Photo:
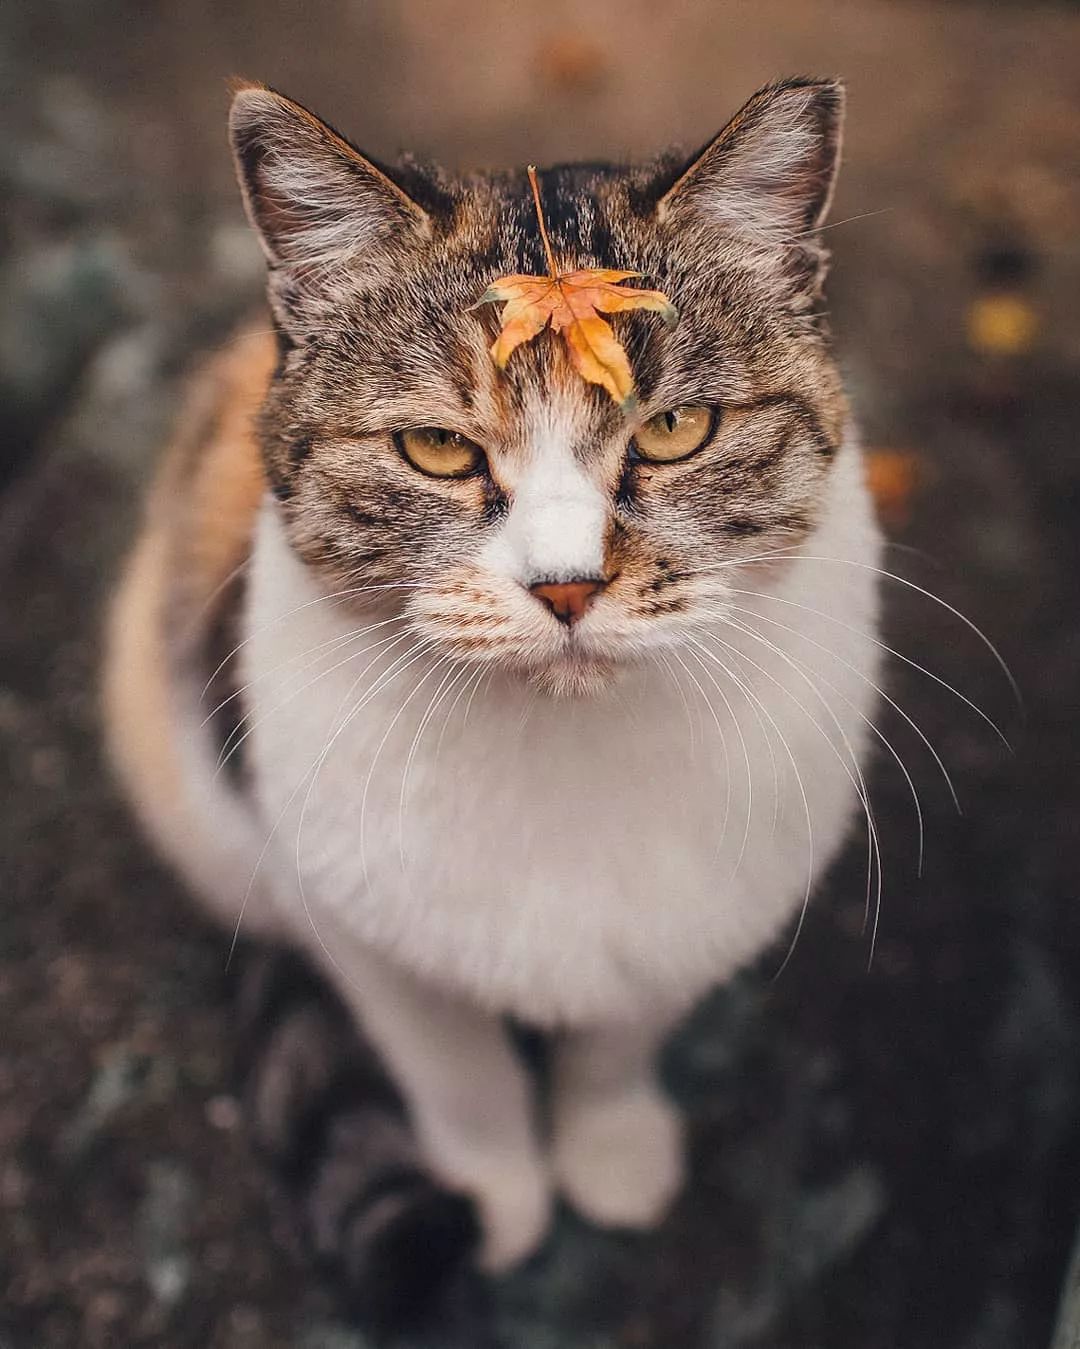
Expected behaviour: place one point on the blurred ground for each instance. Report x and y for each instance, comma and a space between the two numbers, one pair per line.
883, 1158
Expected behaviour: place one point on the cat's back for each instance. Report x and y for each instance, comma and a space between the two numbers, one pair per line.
175, 614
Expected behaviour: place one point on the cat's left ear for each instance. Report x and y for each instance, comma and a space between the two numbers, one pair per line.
769, 175
314, 200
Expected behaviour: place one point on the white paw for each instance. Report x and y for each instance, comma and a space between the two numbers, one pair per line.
619, 1159
515, 1203
513, 1195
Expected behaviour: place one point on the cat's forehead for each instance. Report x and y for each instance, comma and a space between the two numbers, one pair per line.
486, 225
586, 214
414, 346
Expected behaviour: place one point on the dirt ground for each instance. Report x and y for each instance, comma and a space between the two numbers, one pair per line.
884, 1157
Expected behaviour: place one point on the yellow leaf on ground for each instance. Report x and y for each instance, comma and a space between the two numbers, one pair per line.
893, 478
1002, 325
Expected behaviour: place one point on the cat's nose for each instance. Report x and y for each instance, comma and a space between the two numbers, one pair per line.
568, 600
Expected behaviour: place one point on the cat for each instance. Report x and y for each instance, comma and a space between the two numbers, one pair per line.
491, 700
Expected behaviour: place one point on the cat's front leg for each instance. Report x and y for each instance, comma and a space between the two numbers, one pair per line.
618, 1141
469, 1099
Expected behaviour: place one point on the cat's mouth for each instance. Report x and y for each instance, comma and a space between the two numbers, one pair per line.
576, 659
576, 662
575, 674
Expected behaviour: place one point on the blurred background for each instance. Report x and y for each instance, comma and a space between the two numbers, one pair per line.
883, 1157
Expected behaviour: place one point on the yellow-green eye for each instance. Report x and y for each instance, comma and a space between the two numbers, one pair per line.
440, 453
675, 434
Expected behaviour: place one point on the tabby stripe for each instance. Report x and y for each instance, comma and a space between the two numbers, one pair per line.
822, 444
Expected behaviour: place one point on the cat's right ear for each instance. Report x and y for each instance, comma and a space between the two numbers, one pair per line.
316, 203
769, 175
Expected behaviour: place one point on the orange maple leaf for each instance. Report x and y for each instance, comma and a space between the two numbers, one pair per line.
571, 303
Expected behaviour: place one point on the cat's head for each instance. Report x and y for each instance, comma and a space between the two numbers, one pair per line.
520, 517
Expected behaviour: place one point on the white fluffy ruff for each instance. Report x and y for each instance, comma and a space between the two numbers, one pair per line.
567, 859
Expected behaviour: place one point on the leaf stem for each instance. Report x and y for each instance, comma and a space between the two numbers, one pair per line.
540, 220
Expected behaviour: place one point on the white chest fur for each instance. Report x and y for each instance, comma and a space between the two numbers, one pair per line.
564, 860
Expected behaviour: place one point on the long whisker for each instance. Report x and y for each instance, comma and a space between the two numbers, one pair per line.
724, 749
870, 723
888, 576
745, 686
526, 711
410, 658
727, 758
859, 674
240, 733
223, 585
875, 880
452, 675
468, 706
328, 647
284, 811
835, 224
882, 646
341, 595
661, 656
856, 778
738, 726
873, 843
369, 778
469, 684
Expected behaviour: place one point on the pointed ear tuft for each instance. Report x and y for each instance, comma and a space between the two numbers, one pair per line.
313, 199
770, 173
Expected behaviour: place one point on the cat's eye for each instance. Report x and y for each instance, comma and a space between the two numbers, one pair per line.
440, 453
674, 435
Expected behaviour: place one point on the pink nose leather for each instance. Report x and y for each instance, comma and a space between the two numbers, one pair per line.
567, 600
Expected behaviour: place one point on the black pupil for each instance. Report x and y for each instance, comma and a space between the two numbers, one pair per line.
672, 420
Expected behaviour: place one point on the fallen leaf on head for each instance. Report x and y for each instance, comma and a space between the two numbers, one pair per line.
570, 303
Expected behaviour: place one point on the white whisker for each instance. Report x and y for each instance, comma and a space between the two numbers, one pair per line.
858, 781
229, 749
223, 585
802, 793
727, 759
469, 685
342, 595
856, 778
410, 657
882, 646
328, 647
859, 674
788, 556
661, 656
369, 778
869, 722
472, 695
457, 668
313, 768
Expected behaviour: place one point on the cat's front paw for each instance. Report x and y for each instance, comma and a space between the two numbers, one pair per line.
515, 1204
619, 1159
513, 1197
